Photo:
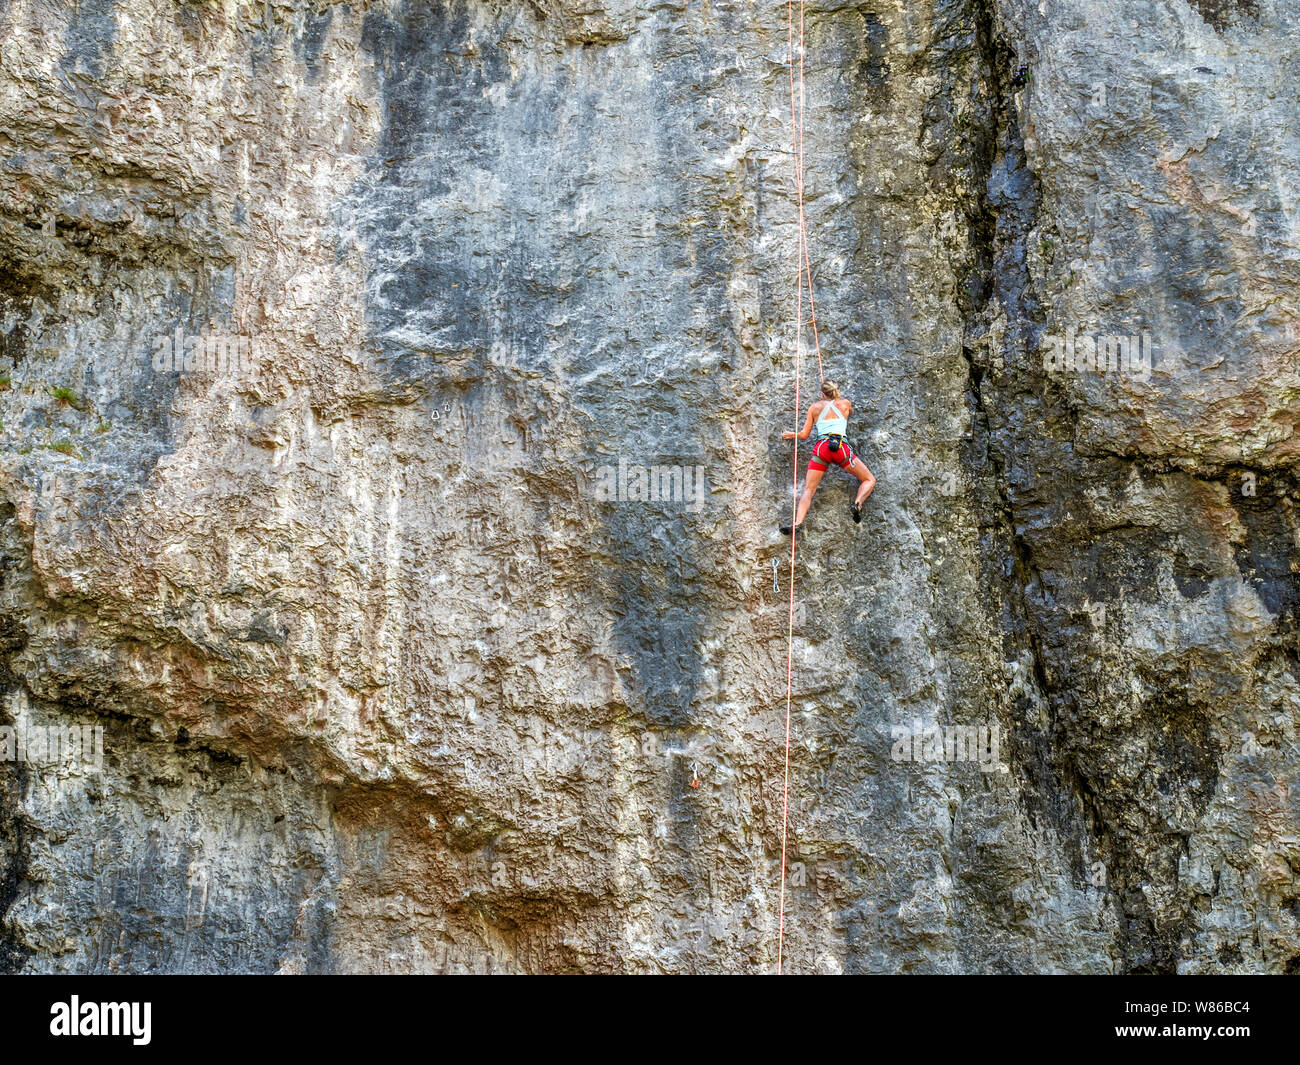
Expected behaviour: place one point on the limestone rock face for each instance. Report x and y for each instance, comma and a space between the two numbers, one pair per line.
391, 465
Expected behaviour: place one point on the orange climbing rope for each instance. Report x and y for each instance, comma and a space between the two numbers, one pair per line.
794, 505
804, 267
805, 263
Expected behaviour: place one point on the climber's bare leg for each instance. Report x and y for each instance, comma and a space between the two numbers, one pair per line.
866, 480
810, 484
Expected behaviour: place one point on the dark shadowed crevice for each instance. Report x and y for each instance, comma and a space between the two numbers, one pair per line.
1001, 217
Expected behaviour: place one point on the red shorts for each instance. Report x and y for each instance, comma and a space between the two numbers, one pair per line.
823, 457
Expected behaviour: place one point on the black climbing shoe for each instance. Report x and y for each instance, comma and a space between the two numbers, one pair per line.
785, 529
856, 510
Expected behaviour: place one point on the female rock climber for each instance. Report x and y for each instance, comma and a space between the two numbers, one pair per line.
830, 449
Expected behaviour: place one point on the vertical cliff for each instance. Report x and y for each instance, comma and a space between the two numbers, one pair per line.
338, 344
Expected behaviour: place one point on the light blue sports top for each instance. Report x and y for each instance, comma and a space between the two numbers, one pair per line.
835, 425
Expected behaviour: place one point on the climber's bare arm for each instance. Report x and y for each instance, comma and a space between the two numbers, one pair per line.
806, 431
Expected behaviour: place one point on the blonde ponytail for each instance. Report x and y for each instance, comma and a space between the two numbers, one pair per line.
830, 390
